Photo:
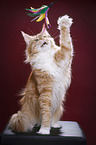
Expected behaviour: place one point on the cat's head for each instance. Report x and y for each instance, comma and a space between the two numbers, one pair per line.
41, 42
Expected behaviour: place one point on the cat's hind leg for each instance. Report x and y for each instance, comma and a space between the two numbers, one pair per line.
20, 122
56, 117
25, 119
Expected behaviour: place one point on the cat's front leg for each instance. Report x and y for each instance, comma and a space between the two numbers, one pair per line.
44, 130
64, 24
66, 47
45, 110
44, 86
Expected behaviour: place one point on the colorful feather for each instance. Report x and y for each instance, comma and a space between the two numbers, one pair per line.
40, 14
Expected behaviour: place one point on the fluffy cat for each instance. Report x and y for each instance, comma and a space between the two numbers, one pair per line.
44, 94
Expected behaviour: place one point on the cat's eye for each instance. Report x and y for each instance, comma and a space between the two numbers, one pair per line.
36, 39
44, 44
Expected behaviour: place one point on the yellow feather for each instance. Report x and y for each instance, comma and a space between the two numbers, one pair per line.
47, 22
42, 16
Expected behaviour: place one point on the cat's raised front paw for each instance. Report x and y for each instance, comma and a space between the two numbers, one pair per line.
64, 21
44, 130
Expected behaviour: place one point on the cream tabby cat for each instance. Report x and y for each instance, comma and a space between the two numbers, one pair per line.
43, 96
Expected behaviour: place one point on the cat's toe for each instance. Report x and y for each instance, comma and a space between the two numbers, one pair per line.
64, 21
56, 125
44, 130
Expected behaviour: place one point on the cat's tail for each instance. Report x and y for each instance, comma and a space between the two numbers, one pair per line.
20, 122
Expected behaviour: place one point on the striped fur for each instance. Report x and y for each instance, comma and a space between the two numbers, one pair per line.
44, 94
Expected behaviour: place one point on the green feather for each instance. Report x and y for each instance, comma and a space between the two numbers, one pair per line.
28, 9
43, 10
32, 14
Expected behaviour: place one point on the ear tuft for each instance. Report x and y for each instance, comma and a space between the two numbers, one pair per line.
26, 37
46, 33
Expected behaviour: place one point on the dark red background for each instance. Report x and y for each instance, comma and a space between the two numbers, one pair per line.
81, 99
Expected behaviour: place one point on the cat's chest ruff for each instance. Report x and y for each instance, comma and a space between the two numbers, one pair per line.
45, 61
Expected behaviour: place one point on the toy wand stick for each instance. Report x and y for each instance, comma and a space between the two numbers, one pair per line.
52, 4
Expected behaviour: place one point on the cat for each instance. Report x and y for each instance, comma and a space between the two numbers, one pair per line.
43, 97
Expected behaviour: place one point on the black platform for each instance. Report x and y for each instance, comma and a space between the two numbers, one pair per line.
70, 133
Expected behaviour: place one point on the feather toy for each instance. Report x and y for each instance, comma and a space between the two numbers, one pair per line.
40, 14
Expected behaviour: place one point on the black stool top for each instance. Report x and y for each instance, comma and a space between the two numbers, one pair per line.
70, 133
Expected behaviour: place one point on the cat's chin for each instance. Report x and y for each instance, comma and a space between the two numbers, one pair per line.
44, 130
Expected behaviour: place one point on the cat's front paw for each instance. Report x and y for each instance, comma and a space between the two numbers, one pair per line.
64, 21
56, 125
44, 130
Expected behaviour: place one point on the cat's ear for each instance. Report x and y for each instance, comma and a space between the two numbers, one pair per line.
46, 33
27, 37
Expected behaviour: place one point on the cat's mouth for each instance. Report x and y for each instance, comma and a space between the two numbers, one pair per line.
44, 44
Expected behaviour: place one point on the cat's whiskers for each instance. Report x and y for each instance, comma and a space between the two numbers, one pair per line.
56, 37
21, 43
30, 31
54, 33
